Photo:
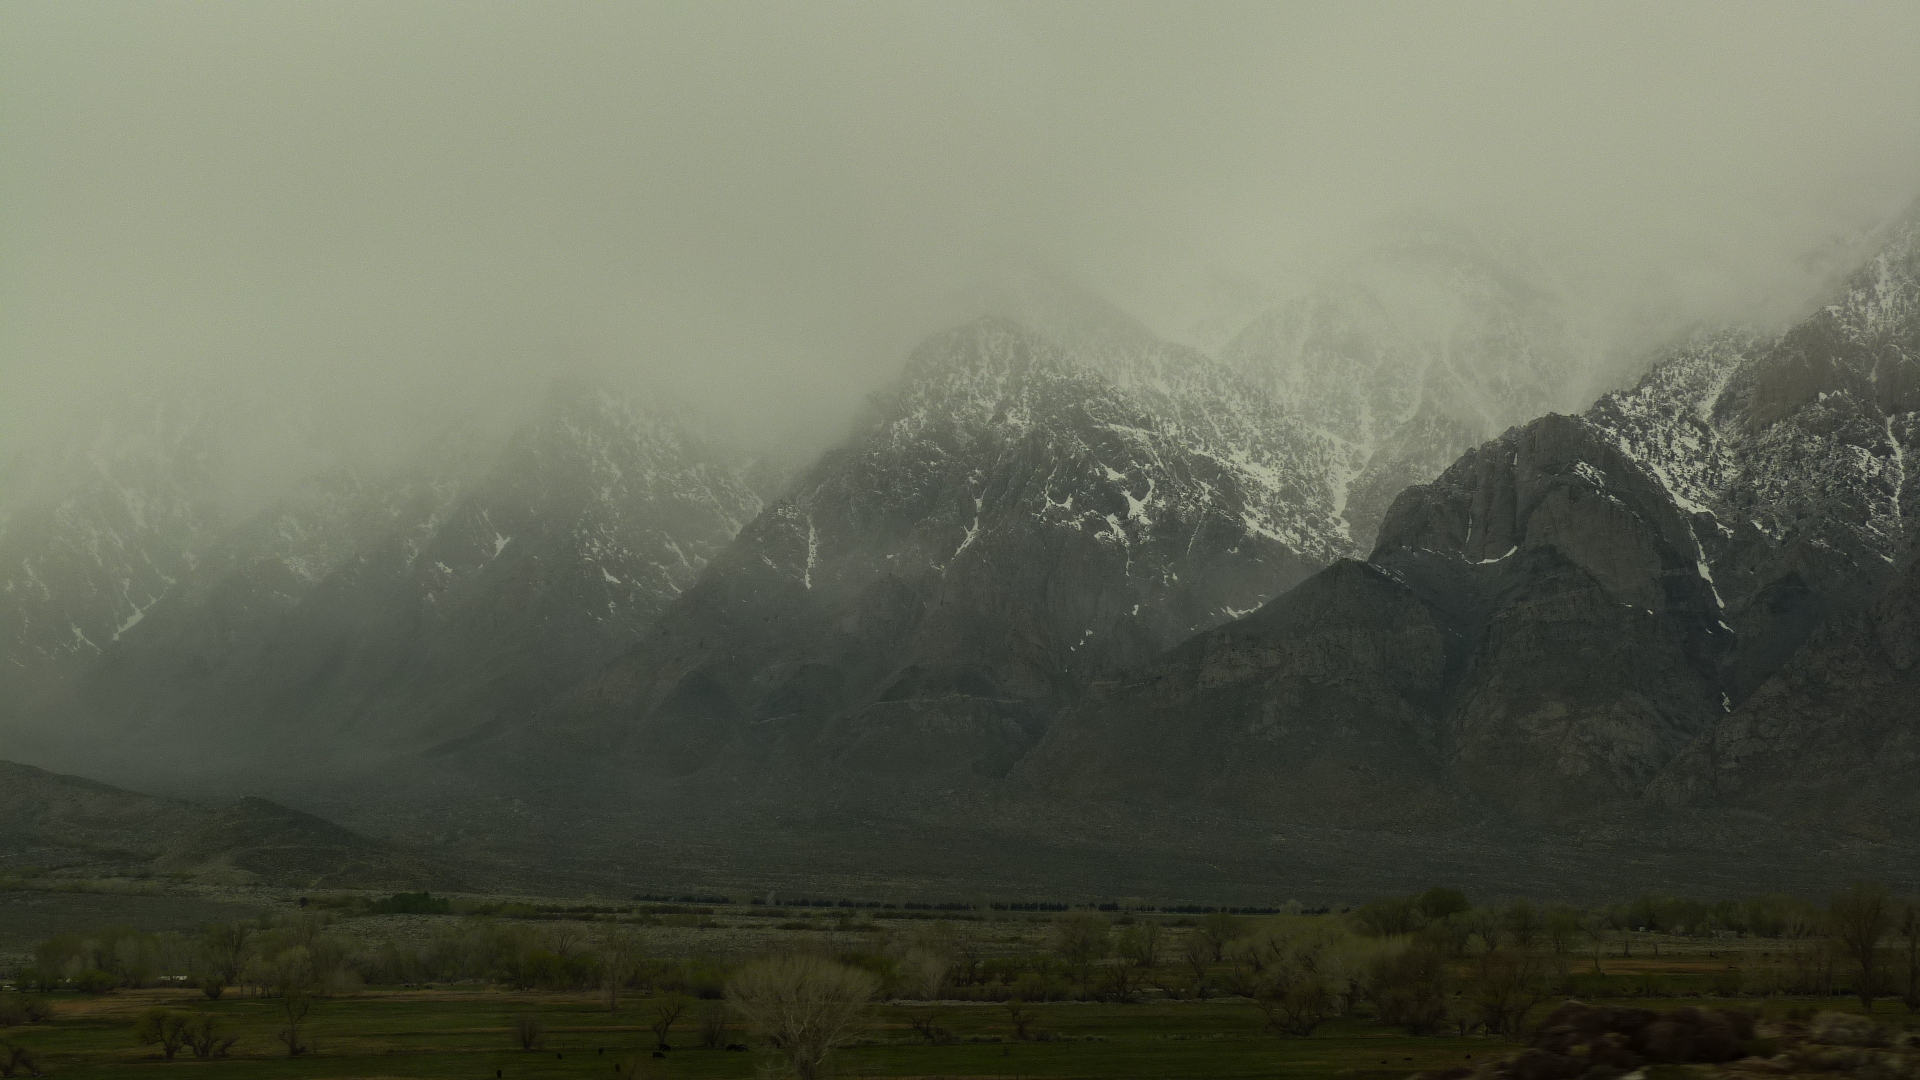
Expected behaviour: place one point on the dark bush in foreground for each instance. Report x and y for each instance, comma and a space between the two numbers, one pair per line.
1580, 1040
412, 903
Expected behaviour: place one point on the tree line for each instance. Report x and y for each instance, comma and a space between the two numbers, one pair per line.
1428, 962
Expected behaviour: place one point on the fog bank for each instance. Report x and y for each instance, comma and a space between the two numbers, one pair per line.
380, 216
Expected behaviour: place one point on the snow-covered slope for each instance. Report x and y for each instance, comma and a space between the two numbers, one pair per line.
1410, 356
492, 581
364, 611
93, 536
1023, 514
1678, 594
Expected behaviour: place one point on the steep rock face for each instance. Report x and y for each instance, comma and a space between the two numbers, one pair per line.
1534, 638
1820, 471
1595, 640
1415, 354
1019, 519
1832, 738
1670, 595
1334, 687
467, 592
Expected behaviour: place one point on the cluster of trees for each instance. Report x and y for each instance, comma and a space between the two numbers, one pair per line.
304, 953
268, 958
1864, 940
16, 1010
1428, 962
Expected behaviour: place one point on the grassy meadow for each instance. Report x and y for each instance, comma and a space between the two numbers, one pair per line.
467, 1033
410, 986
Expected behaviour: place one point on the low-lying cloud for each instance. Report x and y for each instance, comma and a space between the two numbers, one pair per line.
388, 214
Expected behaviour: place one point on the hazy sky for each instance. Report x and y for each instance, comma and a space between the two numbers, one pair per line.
388, 210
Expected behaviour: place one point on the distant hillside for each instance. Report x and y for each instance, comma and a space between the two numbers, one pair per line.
68, 825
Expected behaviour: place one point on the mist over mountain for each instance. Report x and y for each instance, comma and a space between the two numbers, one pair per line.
368, 613
1699, 582
1134, 450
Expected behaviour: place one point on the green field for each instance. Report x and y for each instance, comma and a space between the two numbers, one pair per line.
1106, 1010
465, 1033
462, 1033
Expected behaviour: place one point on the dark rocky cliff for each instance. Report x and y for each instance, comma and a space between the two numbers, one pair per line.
1697, 593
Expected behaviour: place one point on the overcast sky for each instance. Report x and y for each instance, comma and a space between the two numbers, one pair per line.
390, 210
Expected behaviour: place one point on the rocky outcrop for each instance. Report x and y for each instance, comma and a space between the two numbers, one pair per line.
1588, 1042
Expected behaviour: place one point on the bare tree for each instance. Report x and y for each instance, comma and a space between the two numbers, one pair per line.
805, 1006
1410, 988
1221, 930
621, 952
296, 1004
1488, 926
713, 1027
1293, 1002
1523, 923
528, 1030
1598, 927
923, 974
565, 938
1020, 1014
968, 952
170, 1029
1139, 944
1081, 940
1562, 927
1505, 985
1910, 930
209, 1038
1197, 952
16, 1060
1859, 916
666, 1011
222, 956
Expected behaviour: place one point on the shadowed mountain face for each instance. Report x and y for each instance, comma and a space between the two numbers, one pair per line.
1698, 592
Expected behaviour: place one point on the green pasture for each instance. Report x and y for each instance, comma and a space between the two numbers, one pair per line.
465, 1032
457, 1033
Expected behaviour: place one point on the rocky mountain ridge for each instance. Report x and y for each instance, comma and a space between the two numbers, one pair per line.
1651, 602
1068, 575
1015, 521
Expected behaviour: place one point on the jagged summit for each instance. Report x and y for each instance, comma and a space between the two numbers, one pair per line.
1014, 522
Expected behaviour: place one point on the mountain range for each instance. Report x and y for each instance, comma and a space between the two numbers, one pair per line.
1349, 599
1698, 593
